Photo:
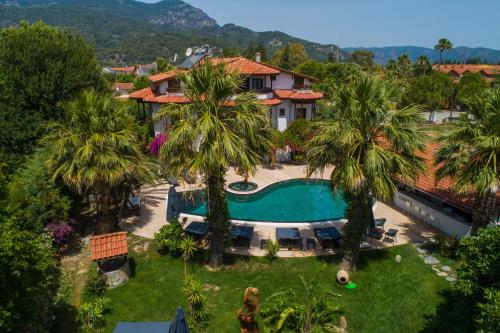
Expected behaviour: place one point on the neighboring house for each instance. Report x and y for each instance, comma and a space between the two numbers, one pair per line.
288, 94
435, 202
122, 88
139, 70
457, 71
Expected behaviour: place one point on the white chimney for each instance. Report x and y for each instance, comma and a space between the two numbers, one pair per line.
258, 57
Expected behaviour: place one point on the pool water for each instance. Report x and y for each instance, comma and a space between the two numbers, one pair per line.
296, 200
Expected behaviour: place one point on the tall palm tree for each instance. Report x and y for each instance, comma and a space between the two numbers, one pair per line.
368, 142
96, 149
211, 134
470, 155
443, 45
423, 63
404, 60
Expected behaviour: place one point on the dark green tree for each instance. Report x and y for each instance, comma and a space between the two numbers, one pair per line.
433, 91
470, 85
29, 279
363, 58
255, 48
40, 66
443, 45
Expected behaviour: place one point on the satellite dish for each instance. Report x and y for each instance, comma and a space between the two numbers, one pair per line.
189, 51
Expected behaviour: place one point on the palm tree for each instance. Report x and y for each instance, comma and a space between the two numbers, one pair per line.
95, 149
369, 142
309, 314
423, 63
211, 134
188, 248
443, 45
404, 60
470, 155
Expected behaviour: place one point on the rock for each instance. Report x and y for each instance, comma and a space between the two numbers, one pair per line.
430, 260
446, 268
398, 258
82, 271
443, 274
451, 279
212, 287
422, 251
435, 269
118, 277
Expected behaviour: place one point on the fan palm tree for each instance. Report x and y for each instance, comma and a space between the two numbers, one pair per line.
423, 63
369, 142
443, 45
211, 134
404, 60
187, 247
312, 313
96, 149
470, 155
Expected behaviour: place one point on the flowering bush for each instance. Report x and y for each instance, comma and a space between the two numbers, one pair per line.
157, 142
61, 233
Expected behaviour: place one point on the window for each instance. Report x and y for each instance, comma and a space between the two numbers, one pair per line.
257, 84
282, 112
273, 77
300, 113
298, 82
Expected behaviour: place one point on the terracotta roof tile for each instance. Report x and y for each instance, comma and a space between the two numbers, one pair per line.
108, 245
122, 86
164, 76
269, 101
140, 94
461, 69
129, 69
246, 66
164, 99
297, 95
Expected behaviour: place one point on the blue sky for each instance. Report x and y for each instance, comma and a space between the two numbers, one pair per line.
366, 22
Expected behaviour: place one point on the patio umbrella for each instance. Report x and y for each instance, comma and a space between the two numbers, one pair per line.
179, 323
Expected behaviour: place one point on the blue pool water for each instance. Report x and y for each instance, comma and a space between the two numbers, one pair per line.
296, 200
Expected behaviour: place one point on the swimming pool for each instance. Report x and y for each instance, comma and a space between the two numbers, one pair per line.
295, 200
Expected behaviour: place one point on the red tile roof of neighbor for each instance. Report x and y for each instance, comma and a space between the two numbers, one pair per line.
164, 99
246, 66
129, 69
297, 95
140, 94
164, 76
269, 102
122, 86
461, 69
108, 245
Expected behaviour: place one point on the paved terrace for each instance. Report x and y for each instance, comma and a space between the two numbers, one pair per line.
152, 215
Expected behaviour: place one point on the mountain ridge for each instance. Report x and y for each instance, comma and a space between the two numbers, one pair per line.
459, 53
127, 31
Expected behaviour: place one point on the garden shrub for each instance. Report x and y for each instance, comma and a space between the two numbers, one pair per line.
96, 284
62, 233
272, 248
446, 246
91, 314
168, 238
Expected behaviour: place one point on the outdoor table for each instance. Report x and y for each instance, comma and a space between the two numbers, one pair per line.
392, 233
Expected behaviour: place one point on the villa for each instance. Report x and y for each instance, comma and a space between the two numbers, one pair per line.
457, 71
288, 94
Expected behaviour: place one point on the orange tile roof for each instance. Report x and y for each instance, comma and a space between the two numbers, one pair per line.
461, 69
122, 86
140, 94
108, 245
164, 76
297, 95
164, 99
269, 102
246, 66
129, 69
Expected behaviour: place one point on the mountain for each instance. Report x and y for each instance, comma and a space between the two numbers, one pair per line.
128, 31
461, 53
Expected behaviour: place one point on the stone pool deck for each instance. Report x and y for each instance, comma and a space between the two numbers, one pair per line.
152, 215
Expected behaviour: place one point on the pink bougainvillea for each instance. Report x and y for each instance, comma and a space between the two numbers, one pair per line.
157, 142
61, 232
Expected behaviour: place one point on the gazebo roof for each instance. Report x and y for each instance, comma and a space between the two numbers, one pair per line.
108, 246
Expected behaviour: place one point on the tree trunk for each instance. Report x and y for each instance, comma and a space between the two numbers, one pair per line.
359, 215
484, 209
218, 216
102, 196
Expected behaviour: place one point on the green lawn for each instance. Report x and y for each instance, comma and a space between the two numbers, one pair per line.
391, 297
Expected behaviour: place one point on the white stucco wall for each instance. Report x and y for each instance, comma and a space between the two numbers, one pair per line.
438, 219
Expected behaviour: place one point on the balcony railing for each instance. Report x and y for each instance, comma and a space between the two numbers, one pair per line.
301, 87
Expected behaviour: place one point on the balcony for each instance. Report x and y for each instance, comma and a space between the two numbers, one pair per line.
301, 87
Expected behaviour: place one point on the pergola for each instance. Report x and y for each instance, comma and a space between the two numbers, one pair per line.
109, 248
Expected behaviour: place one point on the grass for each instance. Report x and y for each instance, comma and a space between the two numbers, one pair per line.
390, 297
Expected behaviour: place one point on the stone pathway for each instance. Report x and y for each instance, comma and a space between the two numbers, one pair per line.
441, 270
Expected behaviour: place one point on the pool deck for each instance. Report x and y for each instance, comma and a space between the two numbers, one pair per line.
152, 215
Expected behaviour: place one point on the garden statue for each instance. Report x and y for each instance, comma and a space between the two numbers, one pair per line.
247, 314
